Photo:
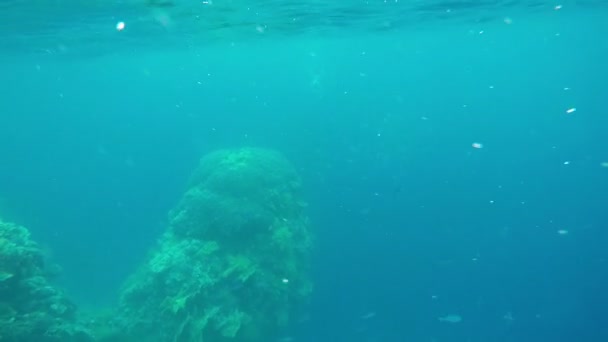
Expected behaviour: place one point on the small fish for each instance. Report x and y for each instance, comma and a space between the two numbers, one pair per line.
450, 319
285, 339
368, 315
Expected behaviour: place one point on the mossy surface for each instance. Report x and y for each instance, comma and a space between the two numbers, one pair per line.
233, 263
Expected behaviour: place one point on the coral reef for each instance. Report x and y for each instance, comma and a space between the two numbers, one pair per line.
31, 309
231, 266
233, 263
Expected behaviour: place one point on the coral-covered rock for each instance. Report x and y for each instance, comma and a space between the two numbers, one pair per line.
31, 309
233, 263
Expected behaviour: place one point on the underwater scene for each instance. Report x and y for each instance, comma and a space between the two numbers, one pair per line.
303, 171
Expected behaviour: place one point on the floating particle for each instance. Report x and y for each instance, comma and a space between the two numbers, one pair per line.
285, 280
604, 164
477, 145
567, 162
120, 26
163, 19
570, 110
562, 232
558, 7
508, 21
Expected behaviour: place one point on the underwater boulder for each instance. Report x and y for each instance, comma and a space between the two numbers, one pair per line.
31, 308
233, 263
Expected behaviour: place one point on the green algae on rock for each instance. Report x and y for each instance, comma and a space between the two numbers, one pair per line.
233, 263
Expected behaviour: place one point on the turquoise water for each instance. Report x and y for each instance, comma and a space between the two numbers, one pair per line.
444, 175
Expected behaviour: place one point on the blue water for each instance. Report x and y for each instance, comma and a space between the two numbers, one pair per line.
377, 104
